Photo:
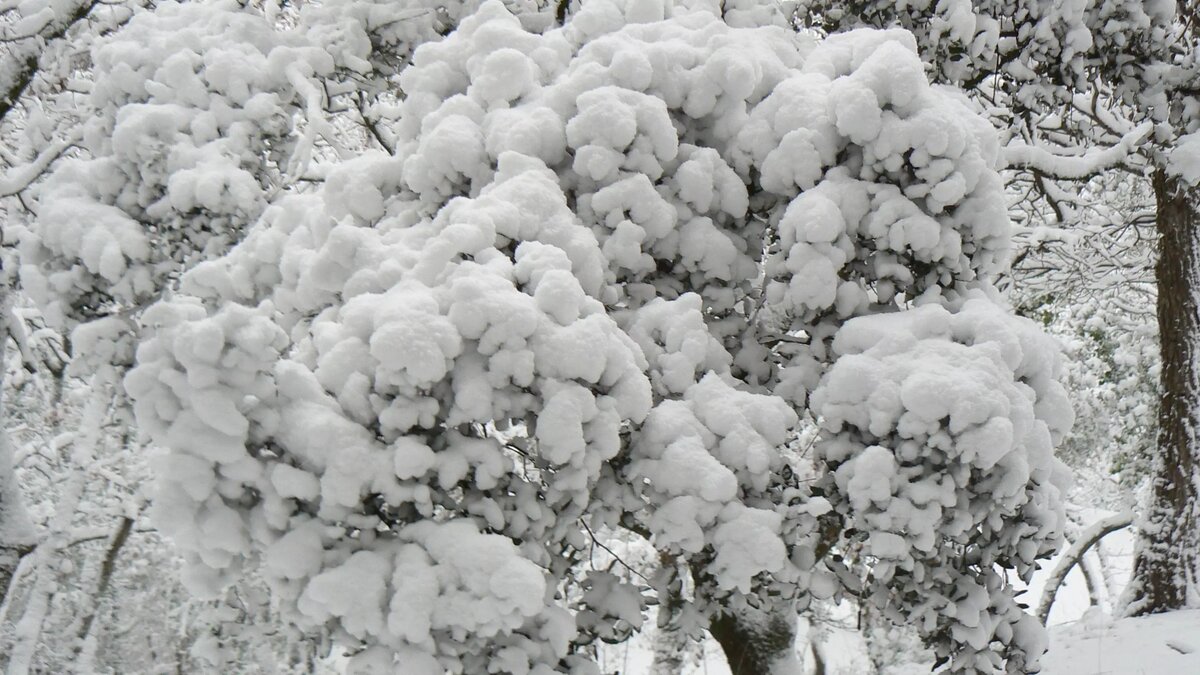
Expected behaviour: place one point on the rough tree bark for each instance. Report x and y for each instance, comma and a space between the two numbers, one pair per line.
1165, 564
758, 642
671, 645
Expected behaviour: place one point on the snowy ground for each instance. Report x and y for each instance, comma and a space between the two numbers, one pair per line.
1167, 644
1089, 642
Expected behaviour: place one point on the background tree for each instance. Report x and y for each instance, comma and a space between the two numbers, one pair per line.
1092, 285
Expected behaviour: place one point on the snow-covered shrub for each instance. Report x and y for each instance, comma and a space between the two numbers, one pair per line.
201, 114
940, 427
594, 286
192, 110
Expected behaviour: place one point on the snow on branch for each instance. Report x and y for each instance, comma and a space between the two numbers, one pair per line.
21, 177
1036, 158
20, 64
1087, 539
318, 124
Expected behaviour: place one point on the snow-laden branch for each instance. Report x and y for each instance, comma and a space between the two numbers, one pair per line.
1089, 104
318, 124
1088, 538
21, 177
15, 328
28, 630
119, 537
20, 64
1073, 167
16, 528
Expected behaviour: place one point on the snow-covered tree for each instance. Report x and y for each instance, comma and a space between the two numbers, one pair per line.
597, 279
1093, 287
1082, 85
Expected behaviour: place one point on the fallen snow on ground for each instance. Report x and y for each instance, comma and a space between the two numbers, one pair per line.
1164, 644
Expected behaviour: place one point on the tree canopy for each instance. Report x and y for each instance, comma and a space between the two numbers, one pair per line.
420, 304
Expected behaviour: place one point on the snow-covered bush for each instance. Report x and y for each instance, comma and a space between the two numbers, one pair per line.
175, 130
201, 114
940, 430
594, 286
1059, 51
185, 119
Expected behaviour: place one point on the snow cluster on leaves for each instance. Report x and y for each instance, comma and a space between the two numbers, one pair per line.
1048, 50
558, 303
191, 121
940, 427
365, 36
695, 455
200, 114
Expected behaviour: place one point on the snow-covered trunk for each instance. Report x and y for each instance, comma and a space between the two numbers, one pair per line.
1165, 564
672, 647
670, 651
16, 529
758, 641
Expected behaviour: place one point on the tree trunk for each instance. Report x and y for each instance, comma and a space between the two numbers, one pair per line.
670, 651
1165, 564
672, 647
107, 568
758, 642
